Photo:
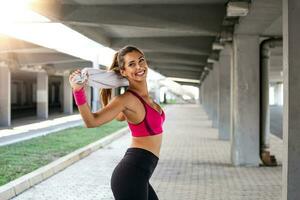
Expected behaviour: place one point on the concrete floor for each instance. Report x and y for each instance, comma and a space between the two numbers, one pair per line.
193, 165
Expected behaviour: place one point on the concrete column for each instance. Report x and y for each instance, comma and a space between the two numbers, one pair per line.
224, 99
208, 92
5, 95
200, 94
245, 97
96, 104
291, 116
42, 95
210, 95
28, 93
67, 94
203, 94
215, 95
202, 90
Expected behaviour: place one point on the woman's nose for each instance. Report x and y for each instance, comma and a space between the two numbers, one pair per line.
138, 66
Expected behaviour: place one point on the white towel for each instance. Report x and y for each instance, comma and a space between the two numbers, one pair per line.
100, 78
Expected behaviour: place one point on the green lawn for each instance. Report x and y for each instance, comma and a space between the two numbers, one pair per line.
24, 157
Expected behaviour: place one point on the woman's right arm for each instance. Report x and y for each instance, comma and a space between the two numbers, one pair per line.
102, 116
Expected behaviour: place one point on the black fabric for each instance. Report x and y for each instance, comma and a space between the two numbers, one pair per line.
130, 178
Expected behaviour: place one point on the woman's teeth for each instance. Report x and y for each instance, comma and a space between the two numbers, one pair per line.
140, 73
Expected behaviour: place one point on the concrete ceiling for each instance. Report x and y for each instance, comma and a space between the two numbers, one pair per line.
262, 19
175, 35
265, 19
23, 54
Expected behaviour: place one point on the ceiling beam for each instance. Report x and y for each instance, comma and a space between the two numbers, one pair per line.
165, 16
177, 67
180, 74
186, 45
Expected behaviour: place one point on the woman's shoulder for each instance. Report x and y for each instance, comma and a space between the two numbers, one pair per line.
126, 98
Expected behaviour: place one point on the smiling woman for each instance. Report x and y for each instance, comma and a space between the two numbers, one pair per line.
144, 117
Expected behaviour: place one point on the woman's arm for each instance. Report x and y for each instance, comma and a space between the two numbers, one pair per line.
103, 115
120, 117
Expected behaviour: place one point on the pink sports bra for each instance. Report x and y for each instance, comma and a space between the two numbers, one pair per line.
152, 122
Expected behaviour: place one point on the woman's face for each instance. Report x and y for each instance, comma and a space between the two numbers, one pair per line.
135, 66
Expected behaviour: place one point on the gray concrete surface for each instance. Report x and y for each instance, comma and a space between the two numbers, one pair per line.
224, 92
245, 100
291, 108
193, 165
215, 73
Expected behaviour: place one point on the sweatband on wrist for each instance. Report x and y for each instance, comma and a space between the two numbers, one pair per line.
79, 97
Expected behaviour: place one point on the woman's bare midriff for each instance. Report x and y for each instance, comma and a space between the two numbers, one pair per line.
150, 143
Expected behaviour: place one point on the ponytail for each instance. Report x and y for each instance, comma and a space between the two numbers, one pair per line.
105, 94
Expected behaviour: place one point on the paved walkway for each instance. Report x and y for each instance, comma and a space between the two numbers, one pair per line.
30, 127
193, 165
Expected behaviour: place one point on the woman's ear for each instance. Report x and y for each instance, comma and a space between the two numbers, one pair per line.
123, 73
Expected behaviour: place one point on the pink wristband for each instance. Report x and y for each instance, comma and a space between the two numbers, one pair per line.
79, 97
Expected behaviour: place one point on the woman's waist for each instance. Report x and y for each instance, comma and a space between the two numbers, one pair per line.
151, 144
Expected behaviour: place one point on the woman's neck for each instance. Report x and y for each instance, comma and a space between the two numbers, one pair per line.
141, 88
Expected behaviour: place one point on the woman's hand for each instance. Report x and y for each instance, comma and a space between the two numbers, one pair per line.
75, 86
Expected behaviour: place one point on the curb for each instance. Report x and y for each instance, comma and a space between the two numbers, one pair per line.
37, 132
27, 181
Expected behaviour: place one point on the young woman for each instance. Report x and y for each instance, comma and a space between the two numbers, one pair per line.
130, 178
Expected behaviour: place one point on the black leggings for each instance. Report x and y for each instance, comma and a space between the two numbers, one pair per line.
130, 178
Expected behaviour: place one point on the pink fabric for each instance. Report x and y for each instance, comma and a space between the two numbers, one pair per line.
154, 119
79, 97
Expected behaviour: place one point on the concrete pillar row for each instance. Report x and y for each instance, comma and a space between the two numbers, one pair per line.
291, 109
224, 87
67, 95
42, 95
245, 101
5, 95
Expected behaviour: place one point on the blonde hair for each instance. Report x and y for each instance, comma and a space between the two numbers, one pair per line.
116, 66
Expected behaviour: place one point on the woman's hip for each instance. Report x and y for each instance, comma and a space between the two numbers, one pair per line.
138, 158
